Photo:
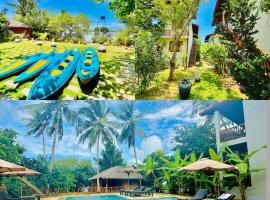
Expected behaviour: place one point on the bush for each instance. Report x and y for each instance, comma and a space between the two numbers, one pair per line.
148, 60
43, 36
216, 55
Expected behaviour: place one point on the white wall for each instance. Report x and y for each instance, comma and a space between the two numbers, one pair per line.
257, 118
263, 36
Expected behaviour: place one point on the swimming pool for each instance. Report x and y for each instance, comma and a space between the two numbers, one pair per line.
112, 197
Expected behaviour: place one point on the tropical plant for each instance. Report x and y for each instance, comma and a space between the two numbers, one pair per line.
53, 113
242, 166
149, 60
171, 170
130, 126
4, 31
23, 7
95, 126
110, 157
265, 6
178, 15
37, 125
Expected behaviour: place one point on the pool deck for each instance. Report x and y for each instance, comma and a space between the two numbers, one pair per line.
156, 195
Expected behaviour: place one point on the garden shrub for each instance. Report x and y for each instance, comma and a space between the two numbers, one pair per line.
148, 60
216, 55
43, 36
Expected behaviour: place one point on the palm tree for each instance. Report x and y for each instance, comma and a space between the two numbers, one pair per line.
95, 125
24, 7
53, 114
37, 125
129, 125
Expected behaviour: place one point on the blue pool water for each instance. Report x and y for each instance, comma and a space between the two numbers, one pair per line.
111, 197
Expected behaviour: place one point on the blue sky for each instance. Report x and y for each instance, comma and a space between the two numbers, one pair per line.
160, 119
204, 18
91, 9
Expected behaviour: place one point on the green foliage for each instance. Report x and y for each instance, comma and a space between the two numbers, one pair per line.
216, 55
4, 31
124, 38
265, 6
9, 149
242, 167
205, 139
66, 27
246, 61
110, 157
148, 60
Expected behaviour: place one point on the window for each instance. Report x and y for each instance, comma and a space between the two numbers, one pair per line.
179, 46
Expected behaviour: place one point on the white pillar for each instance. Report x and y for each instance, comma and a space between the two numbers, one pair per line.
217, 128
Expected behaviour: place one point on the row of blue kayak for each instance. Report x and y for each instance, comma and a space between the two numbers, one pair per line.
54, 68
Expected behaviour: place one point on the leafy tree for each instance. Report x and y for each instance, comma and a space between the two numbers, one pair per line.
178, 15
27, 12
246, 60
4, 31
66, 27
242, 167
121, 8
205, 139
9, 149
149, 60
129, 125
95, 127
110, 157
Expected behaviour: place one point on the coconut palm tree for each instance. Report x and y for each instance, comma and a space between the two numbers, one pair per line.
53, 114
129, 125
95, 126
37, 125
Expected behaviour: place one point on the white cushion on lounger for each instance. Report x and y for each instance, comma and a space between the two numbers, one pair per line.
224, 196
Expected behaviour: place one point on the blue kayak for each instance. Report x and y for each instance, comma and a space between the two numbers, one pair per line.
38, 67
88, 66
55, 77
21, 64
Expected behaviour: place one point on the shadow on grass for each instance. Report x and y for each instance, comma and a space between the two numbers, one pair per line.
211, 87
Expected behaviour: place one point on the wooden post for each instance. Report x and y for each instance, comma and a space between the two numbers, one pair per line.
106, 185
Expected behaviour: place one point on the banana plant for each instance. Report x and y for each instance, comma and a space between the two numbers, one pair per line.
242, 168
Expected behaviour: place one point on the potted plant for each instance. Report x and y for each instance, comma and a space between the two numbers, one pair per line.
184, 86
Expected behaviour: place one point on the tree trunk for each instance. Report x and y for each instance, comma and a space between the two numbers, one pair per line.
242, 191
53, 151
28, 184
98, 186
44, 148
135, 154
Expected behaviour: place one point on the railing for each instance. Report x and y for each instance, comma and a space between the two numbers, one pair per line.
232, 133
106, 190
170, 33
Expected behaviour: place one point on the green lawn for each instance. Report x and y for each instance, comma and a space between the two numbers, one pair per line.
211, 87
117, 72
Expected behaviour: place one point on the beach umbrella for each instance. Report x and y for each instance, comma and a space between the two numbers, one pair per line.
6, 166
128, 171
24, 172
206, 164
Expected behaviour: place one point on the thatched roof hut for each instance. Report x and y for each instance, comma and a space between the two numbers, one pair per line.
19, 28
114, 179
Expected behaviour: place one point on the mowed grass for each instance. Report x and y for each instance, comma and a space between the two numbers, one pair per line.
211, 87
116, 72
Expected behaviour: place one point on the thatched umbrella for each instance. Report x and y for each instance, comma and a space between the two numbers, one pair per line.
24, 172
128, 171
206, 164
6, 166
